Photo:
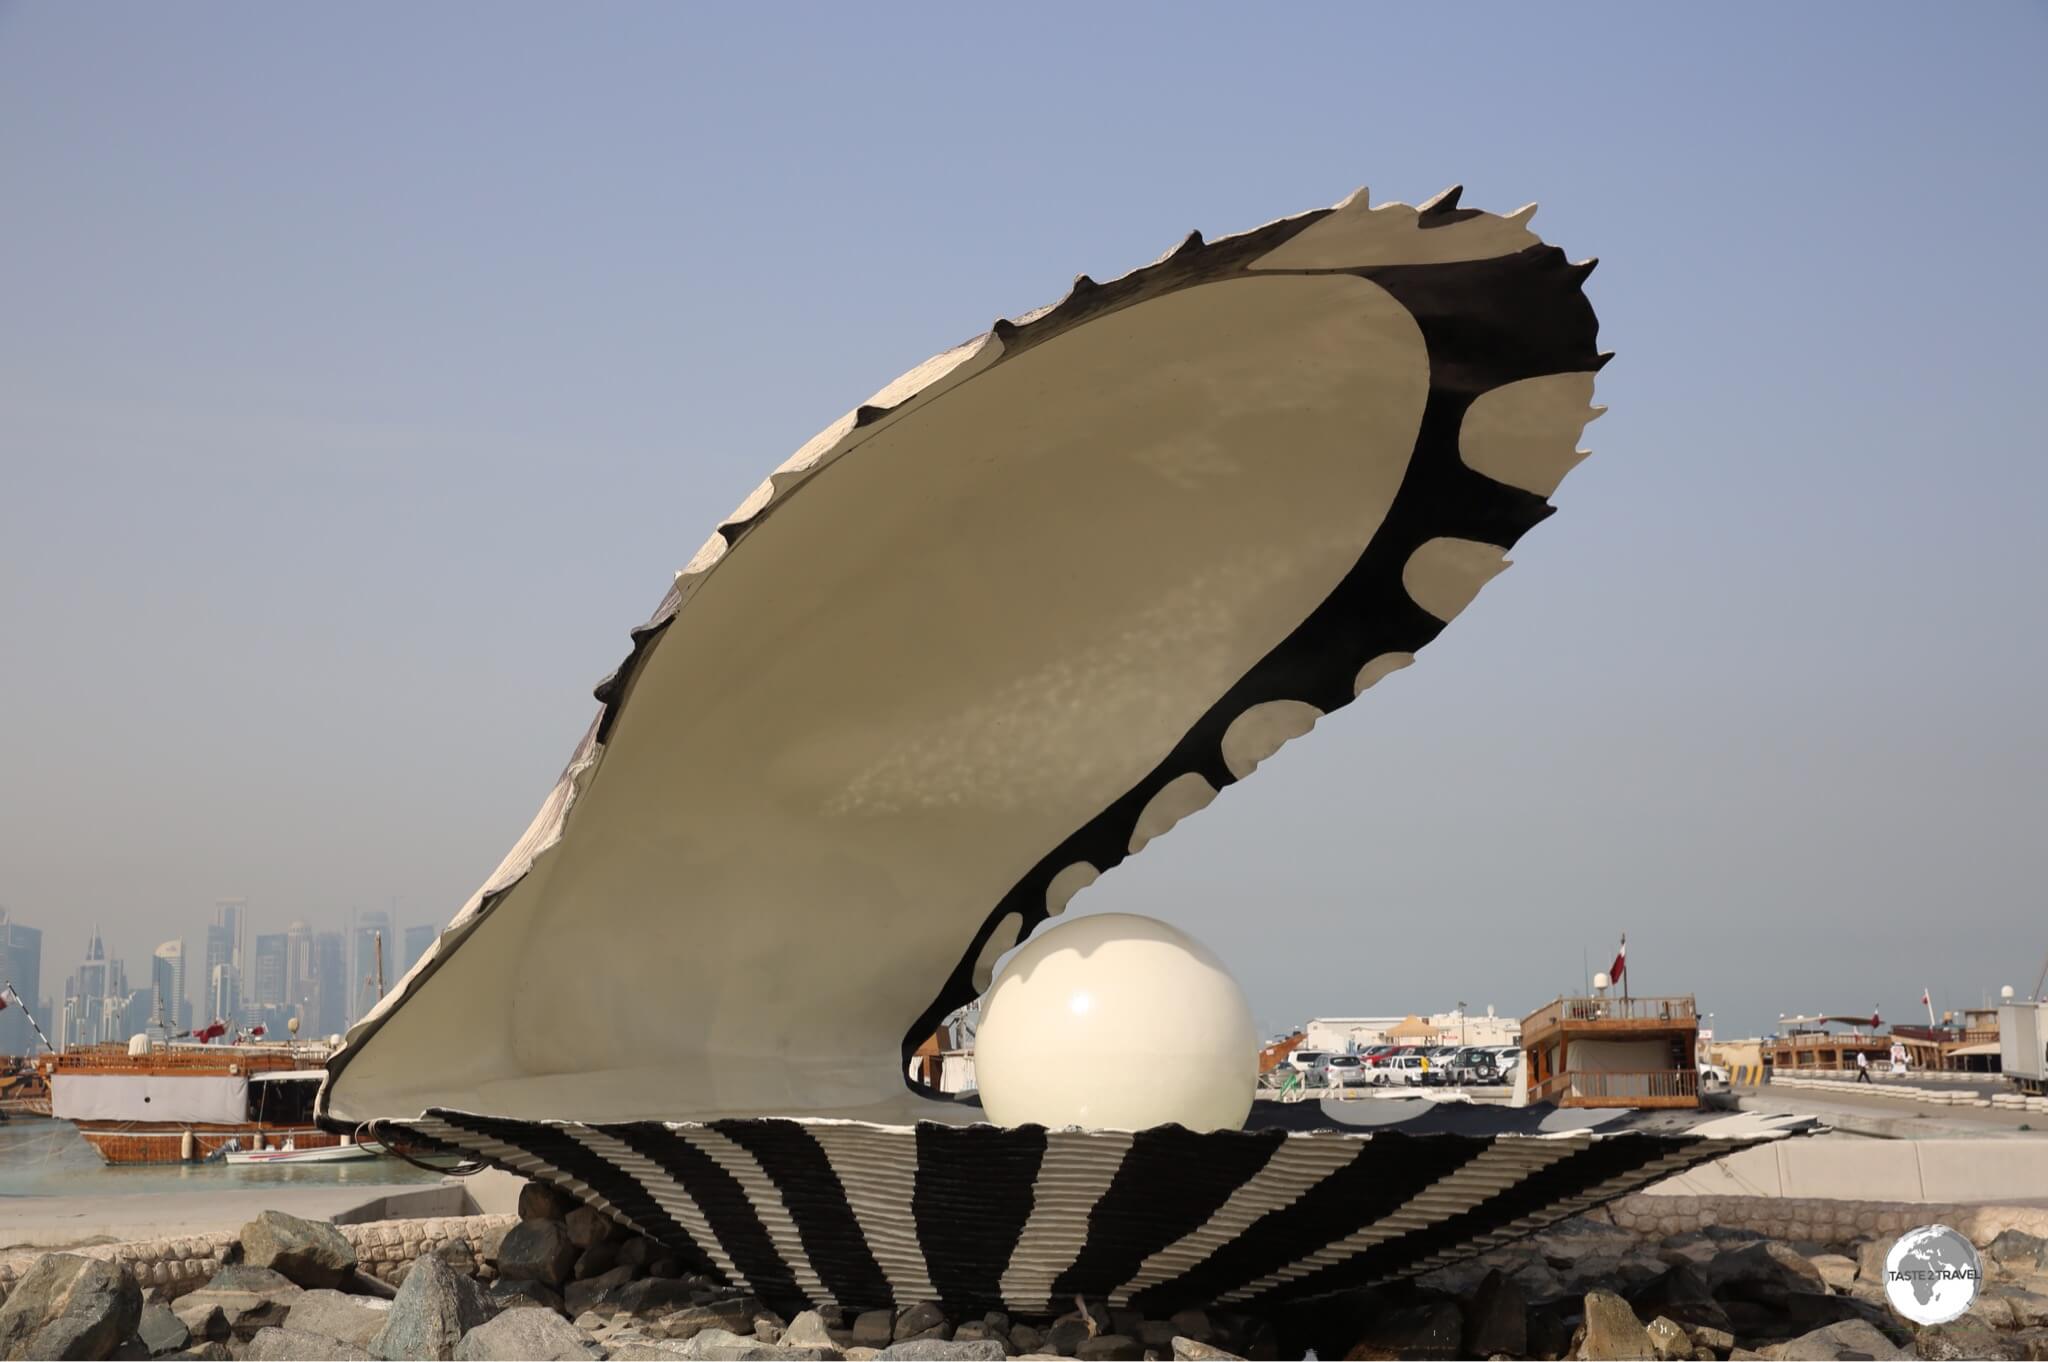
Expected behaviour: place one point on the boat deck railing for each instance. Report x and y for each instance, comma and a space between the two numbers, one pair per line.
1620, 1088
116, 1058
1580, 1011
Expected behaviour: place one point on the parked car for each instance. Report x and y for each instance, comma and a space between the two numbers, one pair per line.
1343, 1071
1307, 1061
1400, 1070
1470, 1063
1713, 1073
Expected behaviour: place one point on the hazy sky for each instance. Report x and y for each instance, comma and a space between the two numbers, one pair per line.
366, 371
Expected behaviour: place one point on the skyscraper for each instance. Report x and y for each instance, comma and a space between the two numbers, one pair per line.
170, 1005
224, 995
85, 1020
270, 982
21, 962
228, 915
417, 939
330, 988
131, 1014
269, 1002
298, 971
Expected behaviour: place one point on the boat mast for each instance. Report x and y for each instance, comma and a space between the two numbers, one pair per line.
7, 991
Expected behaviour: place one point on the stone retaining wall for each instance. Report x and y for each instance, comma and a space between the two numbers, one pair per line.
1822, 1220
383, 1247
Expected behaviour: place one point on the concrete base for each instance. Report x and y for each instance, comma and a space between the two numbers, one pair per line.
1852, 1168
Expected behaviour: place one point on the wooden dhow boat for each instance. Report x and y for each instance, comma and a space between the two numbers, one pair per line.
994, 631
186, 1103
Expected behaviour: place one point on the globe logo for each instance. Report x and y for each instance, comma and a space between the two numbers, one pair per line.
1931, 1274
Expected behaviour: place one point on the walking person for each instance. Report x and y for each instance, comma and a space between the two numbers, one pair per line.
1862, 1067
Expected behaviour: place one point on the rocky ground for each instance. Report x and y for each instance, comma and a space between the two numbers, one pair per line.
565, 1282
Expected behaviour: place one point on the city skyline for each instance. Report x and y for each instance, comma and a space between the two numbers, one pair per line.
85, 986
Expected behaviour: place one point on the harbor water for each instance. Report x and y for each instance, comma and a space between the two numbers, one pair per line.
54, 1189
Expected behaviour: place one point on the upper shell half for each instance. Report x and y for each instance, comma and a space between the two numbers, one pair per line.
981, 639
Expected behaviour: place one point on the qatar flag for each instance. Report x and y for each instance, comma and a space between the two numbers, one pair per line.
1620, 965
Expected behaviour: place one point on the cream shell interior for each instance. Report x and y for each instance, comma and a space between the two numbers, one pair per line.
931, 663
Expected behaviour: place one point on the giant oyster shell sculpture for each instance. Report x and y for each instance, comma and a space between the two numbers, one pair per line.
995, 630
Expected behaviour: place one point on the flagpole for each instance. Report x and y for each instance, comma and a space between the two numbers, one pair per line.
1927, 996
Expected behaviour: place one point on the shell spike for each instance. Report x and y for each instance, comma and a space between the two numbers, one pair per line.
1444, 202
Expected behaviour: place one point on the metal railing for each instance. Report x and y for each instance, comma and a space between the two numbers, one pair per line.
116, 1058
1620, 1085
1569, 1010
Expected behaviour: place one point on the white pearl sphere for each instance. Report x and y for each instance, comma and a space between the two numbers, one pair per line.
1116, 1022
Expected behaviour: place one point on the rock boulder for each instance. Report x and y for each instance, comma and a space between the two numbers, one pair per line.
161, 1331
434, 1310
538, 1250
539, 1201
1850, 1338
541, 1335
355, 1320
309, 1253
587, 1226
248, 1298
1497, 1320
1612, 1330
582, 1295
69, 1306
507, 1294
291, 1345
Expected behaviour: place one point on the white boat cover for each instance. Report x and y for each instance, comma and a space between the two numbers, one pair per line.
149, 1097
